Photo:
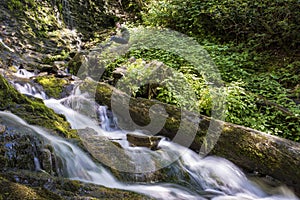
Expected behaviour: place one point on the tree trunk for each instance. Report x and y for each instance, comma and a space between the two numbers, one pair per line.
250, 149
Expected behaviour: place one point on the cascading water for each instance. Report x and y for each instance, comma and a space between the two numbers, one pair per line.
208, 178
27, 87
22, 73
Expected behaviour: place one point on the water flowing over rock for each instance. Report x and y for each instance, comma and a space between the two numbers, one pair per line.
33, 110
139, 163
250, 149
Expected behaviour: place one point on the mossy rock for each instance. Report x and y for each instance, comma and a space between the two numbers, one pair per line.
53, 86
43, 186
11, 190
75, 63
33, 111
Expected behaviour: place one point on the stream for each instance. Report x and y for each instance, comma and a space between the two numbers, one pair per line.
194, 177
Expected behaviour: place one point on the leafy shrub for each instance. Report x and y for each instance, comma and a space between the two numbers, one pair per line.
263, 24
254, 100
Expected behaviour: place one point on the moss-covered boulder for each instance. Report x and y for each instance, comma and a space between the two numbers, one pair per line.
52, 85
12, 190
27, 185
33, 110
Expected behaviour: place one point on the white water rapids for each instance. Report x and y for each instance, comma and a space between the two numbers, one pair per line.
210, 177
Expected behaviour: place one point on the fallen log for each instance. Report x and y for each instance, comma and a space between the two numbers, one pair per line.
250, 149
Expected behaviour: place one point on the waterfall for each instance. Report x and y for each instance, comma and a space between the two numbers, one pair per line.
69, 21
23, 73
107, 123
205, 178
30, 90
37, 164
76, 164
56, 11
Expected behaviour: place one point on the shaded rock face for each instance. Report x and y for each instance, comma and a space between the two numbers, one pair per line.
89, 15
22, 150
39, 35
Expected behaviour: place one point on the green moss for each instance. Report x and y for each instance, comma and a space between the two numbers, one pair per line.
53, 86
15, 5
58, 188
62, 56
72, 185
33, 111
11, 190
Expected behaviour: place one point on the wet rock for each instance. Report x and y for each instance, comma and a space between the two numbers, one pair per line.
85, 64
150, 142
104, 150
46, 160
19, 149
22, 148
109, 152
67, 90
27, 185
75, 63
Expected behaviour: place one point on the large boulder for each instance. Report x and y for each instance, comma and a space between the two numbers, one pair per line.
111, 154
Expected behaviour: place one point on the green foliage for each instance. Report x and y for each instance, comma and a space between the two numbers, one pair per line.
15, 5
170, 59
262, 24
254, 98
